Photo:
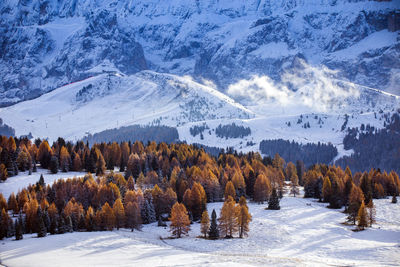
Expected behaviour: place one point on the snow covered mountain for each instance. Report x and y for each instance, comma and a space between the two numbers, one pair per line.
47, 44
111, 100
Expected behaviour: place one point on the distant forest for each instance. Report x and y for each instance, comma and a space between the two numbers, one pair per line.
232, 131
373, 148
135, 133
292, 151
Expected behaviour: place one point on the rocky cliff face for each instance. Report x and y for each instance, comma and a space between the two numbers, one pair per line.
46, 44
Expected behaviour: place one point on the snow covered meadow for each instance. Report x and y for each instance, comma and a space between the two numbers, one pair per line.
303, 233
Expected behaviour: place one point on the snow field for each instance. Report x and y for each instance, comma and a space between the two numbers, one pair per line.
303, 233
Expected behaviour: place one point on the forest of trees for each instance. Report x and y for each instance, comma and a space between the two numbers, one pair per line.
153, 178
373, 148
292, 151
135, 133
232, 131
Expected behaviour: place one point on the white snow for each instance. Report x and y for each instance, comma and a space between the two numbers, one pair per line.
376, 40
274, 50
303, 233
23, 179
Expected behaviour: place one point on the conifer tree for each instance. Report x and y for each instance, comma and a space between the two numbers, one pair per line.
89, 219
228, 224
13, 204
356, 197
4, 223
100, 165
108, 216
19, 228
371, 212
229, 190
3, 172
294, 182
362, 220
213, 232
119, 212
147, 212
243, 219
205, 223
261, 189
273, 203
180, 223
42, 231
133, 217
394, 199
53, 165
198, 201
327, 189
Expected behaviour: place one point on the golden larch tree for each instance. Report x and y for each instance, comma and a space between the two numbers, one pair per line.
180, 223
119, 213
205, 223
227, 221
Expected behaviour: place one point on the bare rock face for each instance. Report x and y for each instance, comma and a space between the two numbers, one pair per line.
47, 44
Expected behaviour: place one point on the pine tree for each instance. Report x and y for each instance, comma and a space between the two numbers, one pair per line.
148, 213
213, 232
273, 203
362, 220
180, 223
4, 224
227, 221
205, 223
41, 227
243, 219
19, 228
53, 166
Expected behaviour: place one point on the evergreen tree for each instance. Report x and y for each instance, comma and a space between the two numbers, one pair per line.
213, 232
273, 203
394, 199
205, 223
41, 226
19, 228
148, 213
53, 166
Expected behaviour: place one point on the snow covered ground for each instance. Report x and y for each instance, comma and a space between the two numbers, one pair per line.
23, 179
303, 233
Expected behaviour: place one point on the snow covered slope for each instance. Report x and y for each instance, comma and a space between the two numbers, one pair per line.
46, 44
111, 100
302, 233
